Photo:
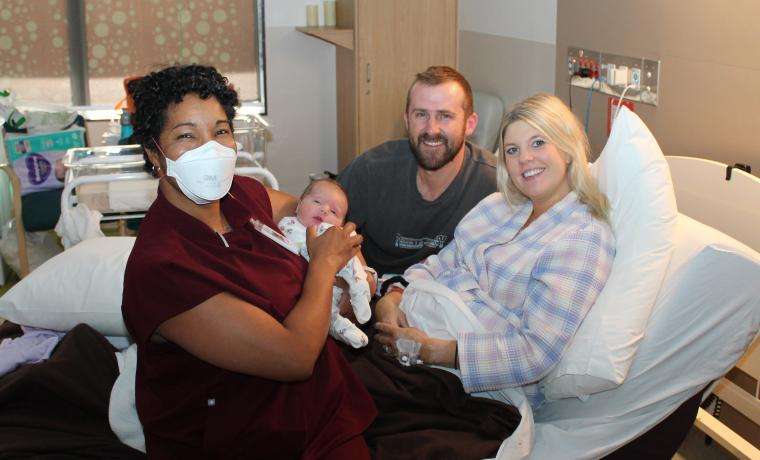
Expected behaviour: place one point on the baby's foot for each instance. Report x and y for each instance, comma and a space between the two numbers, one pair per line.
344, 330
355, 337
360, 304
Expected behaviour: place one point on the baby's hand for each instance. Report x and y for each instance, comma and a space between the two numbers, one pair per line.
344, 303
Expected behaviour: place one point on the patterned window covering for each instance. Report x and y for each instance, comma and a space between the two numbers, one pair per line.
34, 50
125, 37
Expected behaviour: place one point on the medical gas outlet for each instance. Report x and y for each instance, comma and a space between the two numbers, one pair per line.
612, 74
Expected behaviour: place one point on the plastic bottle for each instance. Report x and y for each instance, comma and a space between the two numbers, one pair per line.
126, 127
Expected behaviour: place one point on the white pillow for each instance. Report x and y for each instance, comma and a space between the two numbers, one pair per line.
704, 318
81, 285
634, 175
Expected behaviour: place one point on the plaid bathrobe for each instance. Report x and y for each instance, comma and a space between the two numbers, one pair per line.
530, 288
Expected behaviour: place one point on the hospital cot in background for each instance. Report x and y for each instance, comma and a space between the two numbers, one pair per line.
112, 181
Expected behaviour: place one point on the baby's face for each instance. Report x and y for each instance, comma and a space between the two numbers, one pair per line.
324, 203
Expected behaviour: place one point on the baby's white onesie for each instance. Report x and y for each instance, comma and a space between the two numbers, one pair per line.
353, 273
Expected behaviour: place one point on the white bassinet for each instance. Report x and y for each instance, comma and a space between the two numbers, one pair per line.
112, 180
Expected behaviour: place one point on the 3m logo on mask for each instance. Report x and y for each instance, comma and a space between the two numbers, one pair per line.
204, 174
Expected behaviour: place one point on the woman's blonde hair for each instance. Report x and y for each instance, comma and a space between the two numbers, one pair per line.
553, 119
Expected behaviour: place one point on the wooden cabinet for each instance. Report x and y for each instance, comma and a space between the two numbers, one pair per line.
380, 46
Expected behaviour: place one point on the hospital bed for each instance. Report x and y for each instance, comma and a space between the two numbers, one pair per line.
662, 389
632, 420
727, 199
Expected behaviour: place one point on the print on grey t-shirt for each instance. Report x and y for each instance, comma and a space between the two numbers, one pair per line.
405, 242
399, 227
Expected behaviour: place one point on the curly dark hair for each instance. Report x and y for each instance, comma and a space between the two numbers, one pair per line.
155, 92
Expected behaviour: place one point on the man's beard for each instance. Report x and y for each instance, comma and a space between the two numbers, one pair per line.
434, 162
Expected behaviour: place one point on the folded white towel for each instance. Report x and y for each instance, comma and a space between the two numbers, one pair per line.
122, 411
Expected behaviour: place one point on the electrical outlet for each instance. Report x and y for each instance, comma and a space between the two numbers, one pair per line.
636, 77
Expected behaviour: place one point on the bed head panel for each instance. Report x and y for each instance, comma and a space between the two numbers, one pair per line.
731, 206
704, 194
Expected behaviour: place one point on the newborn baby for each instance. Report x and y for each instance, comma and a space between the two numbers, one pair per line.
324, 204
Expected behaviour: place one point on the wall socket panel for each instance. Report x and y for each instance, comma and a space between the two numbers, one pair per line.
610, 74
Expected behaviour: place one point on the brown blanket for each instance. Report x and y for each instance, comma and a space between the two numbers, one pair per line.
59, 408
424, 413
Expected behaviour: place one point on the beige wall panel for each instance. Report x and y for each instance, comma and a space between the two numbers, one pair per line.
301, 107
710, 74
510, 68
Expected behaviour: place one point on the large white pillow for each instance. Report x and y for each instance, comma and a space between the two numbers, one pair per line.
634, 175
81, 285
705, 316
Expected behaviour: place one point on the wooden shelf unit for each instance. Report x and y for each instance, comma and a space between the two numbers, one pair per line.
334, 35
380, 46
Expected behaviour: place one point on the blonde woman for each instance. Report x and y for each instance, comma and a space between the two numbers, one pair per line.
528, 261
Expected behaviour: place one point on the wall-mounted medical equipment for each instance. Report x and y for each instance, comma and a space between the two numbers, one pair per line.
633, 78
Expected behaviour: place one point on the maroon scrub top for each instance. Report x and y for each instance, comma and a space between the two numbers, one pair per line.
192, 409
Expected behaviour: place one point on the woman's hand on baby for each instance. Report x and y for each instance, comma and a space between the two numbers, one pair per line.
335, 247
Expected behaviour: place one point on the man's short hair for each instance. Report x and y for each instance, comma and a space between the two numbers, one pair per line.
437, 75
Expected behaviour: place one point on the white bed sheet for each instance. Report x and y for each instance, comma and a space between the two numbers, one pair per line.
703, 320
705, 316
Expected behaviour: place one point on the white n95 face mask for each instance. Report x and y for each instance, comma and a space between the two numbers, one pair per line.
204, 174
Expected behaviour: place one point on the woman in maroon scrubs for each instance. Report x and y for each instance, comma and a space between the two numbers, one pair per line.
231, 326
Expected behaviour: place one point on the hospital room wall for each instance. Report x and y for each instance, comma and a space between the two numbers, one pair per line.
301, 107
494, 36
507, 47
710, 72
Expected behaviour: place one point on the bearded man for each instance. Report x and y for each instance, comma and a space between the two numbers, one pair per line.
407, 196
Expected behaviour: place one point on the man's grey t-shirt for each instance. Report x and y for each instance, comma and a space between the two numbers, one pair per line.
399, 227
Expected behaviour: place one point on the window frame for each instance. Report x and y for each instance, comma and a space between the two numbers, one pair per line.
79, 77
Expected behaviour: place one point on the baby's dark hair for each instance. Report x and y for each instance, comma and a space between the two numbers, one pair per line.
327, 180
155, 92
